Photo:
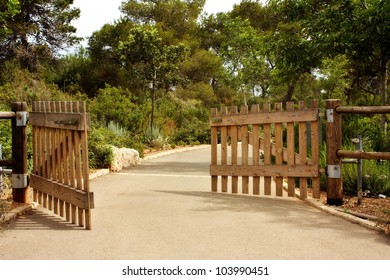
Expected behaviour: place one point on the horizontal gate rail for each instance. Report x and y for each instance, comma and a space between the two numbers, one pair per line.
260, 144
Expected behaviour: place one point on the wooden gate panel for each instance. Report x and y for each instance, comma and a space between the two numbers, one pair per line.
60, 176
270, 136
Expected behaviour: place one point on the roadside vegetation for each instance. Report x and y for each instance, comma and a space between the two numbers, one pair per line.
151, 77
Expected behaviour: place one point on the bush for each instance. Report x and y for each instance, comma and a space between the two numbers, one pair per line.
101, 138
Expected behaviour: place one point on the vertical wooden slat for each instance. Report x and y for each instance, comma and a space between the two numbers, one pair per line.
267, 150
224, 152
40, 152
214, 151
255, 109
84, 150
79, 176
53, 157
62, 205
291, 151
35, 152
234, 149
244, 149
279, 151
58, 204
45, 156
315, 150
72, 173
302, 151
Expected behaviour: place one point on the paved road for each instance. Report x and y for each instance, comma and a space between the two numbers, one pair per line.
163, 209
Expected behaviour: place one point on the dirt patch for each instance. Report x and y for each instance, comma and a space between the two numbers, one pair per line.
373, 208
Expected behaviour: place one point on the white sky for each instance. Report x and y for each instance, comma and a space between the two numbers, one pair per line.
96, 13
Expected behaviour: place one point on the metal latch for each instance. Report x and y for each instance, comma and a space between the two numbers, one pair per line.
68, 122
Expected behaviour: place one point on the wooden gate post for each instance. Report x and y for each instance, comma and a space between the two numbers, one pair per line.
19, 152
333, 144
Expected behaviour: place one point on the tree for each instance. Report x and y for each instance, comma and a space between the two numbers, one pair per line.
154, 62
176, 20
39, 31
9, 8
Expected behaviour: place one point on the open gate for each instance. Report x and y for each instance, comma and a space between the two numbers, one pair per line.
261, 145
60, 176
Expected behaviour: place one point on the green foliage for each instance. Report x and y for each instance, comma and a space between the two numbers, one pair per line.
120, 106
154, 138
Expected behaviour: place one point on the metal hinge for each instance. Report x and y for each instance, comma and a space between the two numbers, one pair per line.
333, 171
19, 181
329, 115
21, 118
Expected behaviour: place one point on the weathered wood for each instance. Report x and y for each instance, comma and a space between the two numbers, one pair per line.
364, 155
302, 152
267, 149
7, 115
315, 151
73, 196
255, 150
279, 150
333, 144
234, 149
291, 151
61, 162
70, 121
19, 154
214, 151
264, 170
224, 151
363, 109
245, 150
265, 118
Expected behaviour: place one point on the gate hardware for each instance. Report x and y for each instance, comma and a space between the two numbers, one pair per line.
333, 171
329, 115
68, 122
19, 181
21, 118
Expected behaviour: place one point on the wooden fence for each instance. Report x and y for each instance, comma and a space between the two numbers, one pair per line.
334, 153
60, 160
260, 145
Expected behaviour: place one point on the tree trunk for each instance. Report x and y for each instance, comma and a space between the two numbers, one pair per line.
383, 90
289, 95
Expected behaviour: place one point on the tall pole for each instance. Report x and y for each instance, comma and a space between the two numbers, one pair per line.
333, 144
19, 152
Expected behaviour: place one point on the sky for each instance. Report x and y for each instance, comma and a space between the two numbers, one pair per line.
96, 13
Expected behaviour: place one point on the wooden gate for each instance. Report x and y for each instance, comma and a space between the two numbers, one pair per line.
268, 149
60, 176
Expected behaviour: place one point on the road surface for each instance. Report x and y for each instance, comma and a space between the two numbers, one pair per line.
164, 210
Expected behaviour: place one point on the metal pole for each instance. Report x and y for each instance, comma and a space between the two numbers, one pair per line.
359, 147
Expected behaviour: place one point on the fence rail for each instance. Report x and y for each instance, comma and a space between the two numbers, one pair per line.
259, 145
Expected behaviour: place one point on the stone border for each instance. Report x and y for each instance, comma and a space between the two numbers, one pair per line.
11, 215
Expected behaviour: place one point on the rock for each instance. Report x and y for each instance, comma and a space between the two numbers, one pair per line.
124, 157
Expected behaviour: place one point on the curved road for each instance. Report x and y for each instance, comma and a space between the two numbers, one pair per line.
163, 209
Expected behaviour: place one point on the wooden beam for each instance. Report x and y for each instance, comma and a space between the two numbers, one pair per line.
363, 110
364, 155
265, 118
69, 121
7, 115
70, 195
265, 170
